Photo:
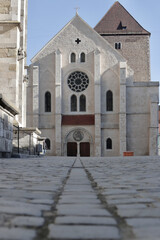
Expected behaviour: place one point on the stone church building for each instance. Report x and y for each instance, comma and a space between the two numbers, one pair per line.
90, 91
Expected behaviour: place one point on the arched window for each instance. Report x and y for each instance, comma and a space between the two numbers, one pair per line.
82, 103
82, 58
109, 143
73, 57
48, 144
73, 103
118, 45
109, 101
47, 102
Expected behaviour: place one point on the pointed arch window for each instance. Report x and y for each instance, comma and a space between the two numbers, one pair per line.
109, 101
48, 144
82, 103
83, 57
47, 102
73, 103
73, 57
109, 143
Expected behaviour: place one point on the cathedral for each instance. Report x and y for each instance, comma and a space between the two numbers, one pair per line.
90, 92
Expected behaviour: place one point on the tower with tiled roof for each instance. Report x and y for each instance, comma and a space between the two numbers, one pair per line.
125, 34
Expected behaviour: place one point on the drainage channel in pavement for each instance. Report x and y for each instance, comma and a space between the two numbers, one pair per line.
80, 211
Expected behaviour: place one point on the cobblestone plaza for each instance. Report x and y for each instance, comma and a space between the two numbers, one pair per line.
50, 198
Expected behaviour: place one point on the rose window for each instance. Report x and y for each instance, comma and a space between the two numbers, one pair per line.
78, 81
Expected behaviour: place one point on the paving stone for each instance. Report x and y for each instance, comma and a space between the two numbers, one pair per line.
147, 212
143, 222
27, 221
130, 206
16, 234
83, 232
29, 187
83, 220
82, 210
147, 233
79, 200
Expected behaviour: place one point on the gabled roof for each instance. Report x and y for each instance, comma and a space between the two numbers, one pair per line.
119, 21
77, 22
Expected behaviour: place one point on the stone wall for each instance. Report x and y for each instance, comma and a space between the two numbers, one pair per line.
6, 133
13, 19
133, 46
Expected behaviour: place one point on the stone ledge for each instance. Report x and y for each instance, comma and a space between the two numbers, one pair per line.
8, 106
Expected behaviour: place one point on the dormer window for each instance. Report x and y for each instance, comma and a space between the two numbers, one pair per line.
118, 45
121, 26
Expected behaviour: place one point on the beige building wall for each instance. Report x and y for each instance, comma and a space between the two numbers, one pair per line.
13, 17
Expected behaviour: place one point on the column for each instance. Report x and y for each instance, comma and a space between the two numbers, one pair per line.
35, 96
122, 107
58, 99
153, 131
97, 102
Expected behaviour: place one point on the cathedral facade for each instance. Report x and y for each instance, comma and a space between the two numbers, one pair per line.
90, 91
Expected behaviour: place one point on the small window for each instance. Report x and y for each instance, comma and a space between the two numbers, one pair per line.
82, 103
47, 102
73, 57
83, 57
118, 45
48, 144
109, 143
109, 101
73, 103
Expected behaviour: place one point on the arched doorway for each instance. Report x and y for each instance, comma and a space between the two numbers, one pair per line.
71, 149
78, 142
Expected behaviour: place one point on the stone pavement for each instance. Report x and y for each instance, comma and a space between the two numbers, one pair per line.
55, 198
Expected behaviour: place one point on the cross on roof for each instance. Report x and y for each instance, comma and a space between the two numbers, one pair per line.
77, 40
77, 8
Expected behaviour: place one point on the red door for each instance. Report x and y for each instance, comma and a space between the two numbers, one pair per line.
71, 149
84, 149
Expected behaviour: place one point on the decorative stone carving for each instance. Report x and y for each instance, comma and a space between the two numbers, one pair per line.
78, 136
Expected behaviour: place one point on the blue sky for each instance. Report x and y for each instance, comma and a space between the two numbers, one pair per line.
47, 17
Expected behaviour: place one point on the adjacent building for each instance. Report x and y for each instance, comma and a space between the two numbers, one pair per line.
13, 76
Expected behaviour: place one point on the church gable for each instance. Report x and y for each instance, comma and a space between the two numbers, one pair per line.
119, 21
77, 34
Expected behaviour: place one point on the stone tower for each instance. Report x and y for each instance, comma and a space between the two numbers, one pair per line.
13, 31
126, 35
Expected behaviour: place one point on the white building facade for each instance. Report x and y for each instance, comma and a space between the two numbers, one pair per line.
90, 92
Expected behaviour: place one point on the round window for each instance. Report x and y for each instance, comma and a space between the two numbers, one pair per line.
78, 81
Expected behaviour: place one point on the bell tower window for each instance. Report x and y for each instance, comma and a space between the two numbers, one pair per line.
118, 45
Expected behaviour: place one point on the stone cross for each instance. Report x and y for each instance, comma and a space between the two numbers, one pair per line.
77, 8
77, 40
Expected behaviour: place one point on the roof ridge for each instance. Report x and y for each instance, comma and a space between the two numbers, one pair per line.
114, 7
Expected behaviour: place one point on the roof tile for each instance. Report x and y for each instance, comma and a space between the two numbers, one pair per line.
119, 21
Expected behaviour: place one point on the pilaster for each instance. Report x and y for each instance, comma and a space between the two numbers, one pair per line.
97, 100
153, 131
35, 96
122, 107
58, 105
